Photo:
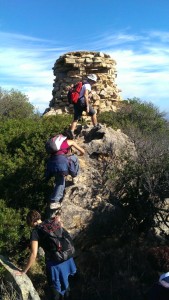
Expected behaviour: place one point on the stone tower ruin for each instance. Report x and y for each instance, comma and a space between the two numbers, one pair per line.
73, 67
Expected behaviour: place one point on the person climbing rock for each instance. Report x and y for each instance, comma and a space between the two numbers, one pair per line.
60, 164
59, 263
83, 104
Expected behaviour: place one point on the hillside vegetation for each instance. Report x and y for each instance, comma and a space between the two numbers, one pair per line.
125, 256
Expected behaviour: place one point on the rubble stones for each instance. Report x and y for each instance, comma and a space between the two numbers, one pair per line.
75, 66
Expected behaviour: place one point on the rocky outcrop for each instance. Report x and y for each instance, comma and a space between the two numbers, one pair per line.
21, 284
75, 66
91, 190
87, 195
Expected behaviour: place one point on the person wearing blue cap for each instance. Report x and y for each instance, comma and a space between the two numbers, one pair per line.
160, 290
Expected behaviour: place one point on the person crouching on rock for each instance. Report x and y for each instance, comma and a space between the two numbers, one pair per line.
60, 164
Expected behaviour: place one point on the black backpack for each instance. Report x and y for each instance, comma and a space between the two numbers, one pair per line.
57, 241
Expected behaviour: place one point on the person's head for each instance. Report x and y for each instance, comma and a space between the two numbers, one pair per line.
92, 78
68, 134
32, 217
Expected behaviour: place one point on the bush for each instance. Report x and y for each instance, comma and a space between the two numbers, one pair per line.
23, 160
12, 230
143, 116
14, 105
142, 185
22, 184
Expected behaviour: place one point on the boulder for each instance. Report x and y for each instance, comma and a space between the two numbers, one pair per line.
21, 284
88, 192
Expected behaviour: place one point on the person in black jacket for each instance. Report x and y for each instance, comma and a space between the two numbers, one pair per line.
57, 272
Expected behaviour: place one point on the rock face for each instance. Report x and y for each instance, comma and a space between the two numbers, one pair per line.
87, 196
75, 66
91, 189
21, 284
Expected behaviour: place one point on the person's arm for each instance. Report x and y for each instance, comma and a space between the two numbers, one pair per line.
86, 97
32, 258
72, 143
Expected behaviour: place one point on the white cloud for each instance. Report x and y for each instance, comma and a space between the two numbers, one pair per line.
143, 69
40, 99
142, 64
26, 65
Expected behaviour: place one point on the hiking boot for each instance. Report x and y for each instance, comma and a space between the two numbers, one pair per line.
53, 213
55, 205
85, 126
74, 180
97, 127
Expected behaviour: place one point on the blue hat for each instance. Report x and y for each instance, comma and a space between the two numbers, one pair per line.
165, 277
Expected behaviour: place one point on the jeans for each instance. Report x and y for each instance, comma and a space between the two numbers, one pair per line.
59, 188
73, 165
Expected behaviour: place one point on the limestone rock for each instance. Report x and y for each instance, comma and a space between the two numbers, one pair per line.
75, 66
22, 284
89, 192
109, 141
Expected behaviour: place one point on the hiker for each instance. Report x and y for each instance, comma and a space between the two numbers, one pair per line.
83, 103
60, 164
160, 290
57, 272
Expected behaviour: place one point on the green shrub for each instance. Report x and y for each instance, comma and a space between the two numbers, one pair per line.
14, 104
137, 114
23, 160
12, 229
143, 184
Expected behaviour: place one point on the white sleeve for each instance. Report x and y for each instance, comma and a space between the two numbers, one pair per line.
88, 87
85, 87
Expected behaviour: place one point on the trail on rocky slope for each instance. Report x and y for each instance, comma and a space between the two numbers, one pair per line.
89, 189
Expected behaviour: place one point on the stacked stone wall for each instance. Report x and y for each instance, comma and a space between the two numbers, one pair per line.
75, 66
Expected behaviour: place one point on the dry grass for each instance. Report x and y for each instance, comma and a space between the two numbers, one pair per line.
8, 292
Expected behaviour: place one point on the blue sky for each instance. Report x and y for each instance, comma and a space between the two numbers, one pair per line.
34, 33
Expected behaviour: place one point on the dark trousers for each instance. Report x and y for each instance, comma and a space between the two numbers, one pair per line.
158, 292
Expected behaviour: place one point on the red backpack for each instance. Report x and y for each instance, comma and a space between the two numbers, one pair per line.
73, 93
